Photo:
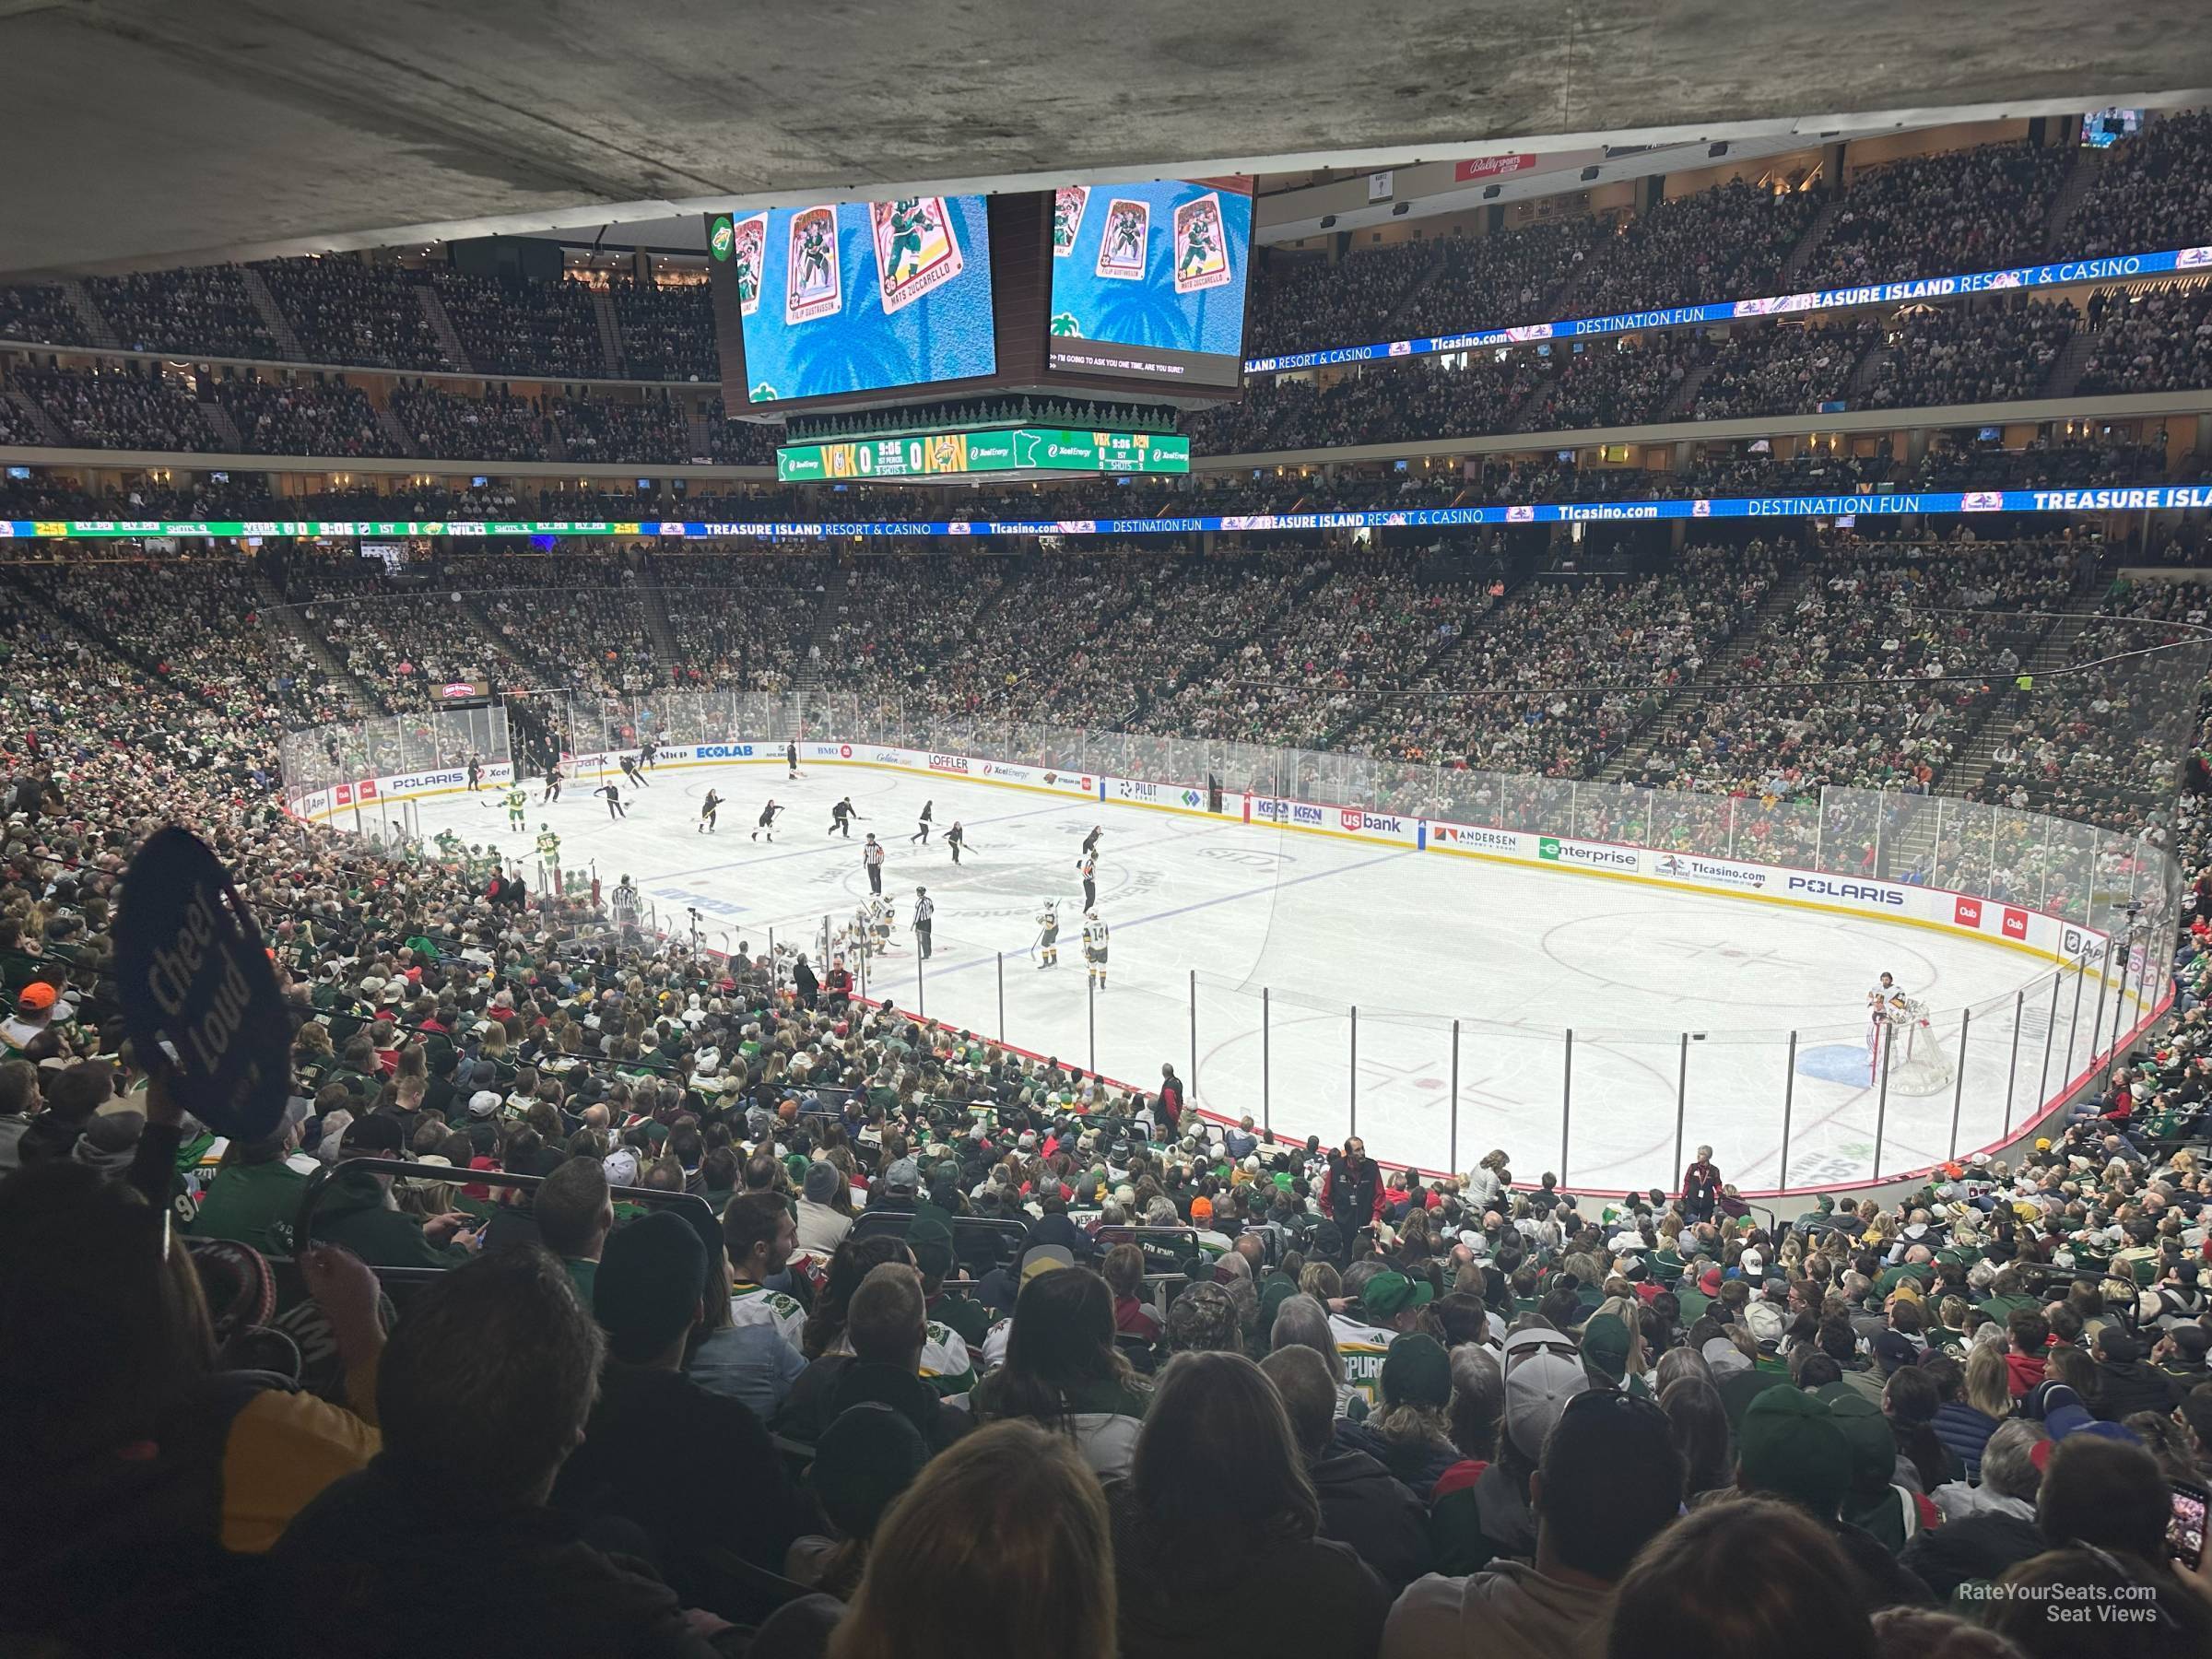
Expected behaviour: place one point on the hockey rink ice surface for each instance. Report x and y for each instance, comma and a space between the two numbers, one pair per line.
1416, 939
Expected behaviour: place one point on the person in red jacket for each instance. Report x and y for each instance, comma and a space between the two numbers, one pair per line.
2030, 1334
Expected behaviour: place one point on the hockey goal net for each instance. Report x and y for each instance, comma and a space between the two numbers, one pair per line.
1915, 1057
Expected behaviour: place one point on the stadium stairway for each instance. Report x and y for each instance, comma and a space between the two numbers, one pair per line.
653, 605
702, 440
2073, 358
96, 327
226, 430
530, 671
35, 412
610, 333
1816, 234
811, 676
1428, 274
1971, 766
2081, 178
1437, 666
1719, 668
442, 326
283, 619
1864, 377
1684, 400
272, 317
392, 427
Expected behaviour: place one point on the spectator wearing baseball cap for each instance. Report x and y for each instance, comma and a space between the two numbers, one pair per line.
821, 1226
1363, 1504
355, 1210
660, 1450
1543, 1371
1609, 1481
1411, 1434
1790, 1446
35, 1010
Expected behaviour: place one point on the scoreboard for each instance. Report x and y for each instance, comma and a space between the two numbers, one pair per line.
1020, 451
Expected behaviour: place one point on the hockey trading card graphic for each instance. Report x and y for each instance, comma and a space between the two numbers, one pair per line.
811, 284
915, 249
1200, 245
749, 253
1121, 246
1068, 203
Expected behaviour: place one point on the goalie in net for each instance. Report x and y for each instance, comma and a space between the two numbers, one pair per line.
1901, 1040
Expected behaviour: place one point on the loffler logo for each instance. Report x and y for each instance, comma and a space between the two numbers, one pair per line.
949, 763
1967, 913
724, 751
1856, 892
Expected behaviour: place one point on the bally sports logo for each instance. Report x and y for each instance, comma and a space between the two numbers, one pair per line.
949, 763
1589, 856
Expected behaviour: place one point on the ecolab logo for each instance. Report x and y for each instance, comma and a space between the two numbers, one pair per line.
1858, 892
949, 763
1967, 913
723, 751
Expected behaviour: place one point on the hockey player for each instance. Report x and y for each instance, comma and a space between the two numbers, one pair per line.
449, 845
1094, 948
476, 774
707, 809
842, 817
629, 770
1048, 933
921, 834
517, 800
615, 809
956, 837
548, 854
881, 923
871, 855
1087, 868
791, 762
925, 915
1090, 841
768, 821
553, 782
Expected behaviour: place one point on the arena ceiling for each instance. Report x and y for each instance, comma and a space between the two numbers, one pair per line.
147, 132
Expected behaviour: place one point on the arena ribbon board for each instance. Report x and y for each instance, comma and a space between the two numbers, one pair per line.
196, 987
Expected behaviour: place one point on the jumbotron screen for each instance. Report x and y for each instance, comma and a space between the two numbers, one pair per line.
1149, 280
861, 296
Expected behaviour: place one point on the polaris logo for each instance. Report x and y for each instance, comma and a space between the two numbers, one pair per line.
724, 751
428, 781
1858, 892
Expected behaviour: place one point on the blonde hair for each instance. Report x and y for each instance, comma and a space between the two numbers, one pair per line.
1009, 1520
1988, 1383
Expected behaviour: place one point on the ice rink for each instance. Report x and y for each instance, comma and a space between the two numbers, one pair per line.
1681, 1005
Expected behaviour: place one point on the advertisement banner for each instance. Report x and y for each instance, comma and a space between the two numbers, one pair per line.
1015, 449
1490, 167
1589, 856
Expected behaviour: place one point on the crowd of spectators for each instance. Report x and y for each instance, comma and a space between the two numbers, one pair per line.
1783, 369
1993, 355
302, 417
1303, 300
498, 426
2154, 341
345, 310
795, 1401
742, 620
125, 405
1722, 244
1613, 382
2153, 192
1518, 275
667, 331
653, 429
38, 313
197, 308
575, 619
511, 326
1977, 209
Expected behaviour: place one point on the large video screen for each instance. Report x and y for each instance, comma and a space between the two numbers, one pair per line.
862, 295
1149, 280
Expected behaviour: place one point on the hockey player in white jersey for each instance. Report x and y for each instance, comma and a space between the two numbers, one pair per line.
1094, 948
1048, 933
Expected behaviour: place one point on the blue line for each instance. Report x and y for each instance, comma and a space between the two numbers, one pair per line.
1184, 910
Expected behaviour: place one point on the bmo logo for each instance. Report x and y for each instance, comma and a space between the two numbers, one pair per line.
2015, 923
844, 752
1967, 913
949, 763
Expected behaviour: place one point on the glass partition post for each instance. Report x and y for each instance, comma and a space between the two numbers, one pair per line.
1566, 1101
2042, 1086
1455, 1161
1881, 1111
1959, 1080
1789, 1099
